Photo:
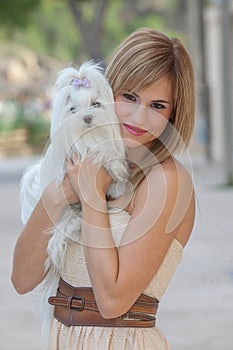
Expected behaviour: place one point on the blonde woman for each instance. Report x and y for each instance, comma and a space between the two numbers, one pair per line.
112, 283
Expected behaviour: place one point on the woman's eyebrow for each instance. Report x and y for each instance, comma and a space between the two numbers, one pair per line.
157, 101
161, 101
131, 92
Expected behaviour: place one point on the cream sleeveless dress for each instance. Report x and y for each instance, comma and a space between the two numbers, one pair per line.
106, 338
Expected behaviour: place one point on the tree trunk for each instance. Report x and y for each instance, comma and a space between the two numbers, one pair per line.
92, 33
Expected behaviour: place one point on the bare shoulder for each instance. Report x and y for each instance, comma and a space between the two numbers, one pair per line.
171, 175
172, 171
169, 187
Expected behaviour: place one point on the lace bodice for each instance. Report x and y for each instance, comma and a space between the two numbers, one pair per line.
75, 269
101, 338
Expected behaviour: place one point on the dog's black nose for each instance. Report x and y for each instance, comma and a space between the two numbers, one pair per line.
87, 118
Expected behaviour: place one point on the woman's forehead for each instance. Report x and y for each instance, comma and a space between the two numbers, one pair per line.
136, 85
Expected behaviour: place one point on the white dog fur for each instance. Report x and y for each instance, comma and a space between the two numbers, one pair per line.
83, 121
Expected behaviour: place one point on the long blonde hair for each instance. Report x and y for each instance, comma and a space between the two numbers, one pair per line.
143, 58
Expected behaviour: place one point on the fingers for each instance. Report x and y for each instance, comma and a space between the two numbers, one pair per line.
72, 162
75, 158
68, 191
68, 164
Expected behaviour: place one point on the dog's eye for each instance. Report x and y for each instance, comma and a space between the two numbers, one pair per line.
96, 104
73, 109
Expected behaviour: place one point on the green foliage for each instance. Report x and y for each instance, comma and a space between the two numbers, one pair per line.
51, 31
14, 116
17, 12
48, 27
38, 132
114, 28
119, 23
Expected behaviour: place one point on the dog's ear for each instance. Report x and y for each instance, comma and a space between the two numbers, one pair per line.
59, 111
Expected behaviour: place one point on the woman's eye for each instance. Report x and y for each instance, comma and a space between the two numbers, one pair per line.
156, 105
96, 104
129, 97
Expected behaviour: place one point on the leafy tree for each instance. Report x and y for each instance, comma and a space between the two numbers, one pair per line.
17, 13
101, 24
77, 29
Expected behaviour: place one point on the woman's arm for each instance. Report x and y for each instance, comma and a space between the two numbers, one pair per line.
120, 275
31, 247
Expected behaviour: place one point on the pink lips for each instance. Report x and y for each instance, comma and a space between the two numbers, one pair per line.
133, 130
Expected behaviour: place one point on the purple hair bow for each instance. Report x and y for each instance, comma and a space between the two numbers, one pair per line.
80, 82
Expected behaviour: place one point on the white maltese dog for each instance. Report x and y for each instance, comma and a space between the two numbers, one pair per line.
84, 122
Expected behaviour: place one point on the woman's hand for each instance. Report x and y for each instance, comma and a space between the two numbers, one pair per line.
71, 196
56, 197
90, 181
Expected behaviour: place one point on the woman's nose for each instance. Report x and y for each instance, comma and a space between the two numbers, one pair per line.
138, 114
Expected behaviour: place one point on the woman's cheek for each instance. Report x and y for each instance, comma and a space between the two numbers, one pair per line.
158, 124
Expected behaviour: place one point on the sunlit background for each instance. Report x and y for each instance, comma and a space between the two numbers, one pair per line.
37, 39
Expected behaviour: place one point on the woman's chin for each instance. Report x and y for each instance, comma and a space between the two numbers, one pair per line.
132, 143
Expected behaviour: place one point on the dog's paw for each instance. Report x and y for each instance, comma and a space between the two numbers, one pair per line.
116, 189
118, 169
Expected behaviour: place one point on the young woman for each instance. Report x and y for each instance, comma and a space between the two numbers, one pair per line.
132, 245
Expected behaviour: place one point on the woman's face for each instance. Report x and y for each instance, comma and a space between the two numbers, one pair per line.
144, 115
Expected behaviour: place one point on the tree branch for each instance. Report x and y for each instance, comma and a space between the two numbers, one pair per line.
91, 32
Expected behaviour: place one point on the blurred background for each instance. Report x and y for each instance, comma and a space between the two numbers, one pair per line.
37, 39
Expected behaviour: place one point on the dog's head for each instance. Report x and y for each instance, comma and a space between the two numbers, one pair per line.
83, 98
84, 118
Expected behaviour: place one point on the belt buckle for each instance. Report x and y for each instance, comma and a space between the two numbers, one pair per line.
77, 308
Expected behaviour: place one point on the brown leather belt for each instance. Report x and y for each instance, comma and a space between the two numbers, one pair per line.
77, 307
